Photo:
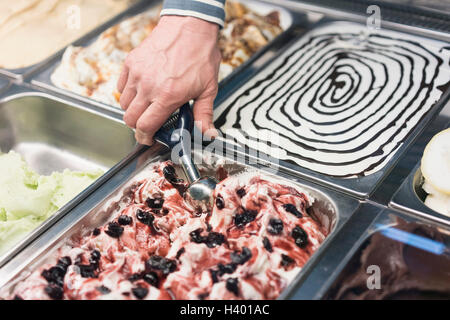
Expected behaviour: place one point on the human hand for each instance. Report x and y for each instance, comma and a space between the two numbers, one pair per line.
178, 62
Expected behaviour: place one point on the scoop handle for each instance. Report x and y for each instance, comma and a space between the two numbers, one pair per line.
186, 125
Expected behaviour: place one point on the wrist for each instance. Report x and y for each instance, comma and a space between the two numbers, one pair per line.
190, 24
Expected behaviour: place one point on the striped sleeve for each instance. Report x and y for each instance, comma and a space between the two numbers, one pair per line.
209, 10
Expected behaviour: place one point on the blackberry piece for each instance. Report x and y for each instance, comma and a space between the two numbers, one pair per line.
267, 245
156, 203
196, 236
55, 275
300, 236
145, 217
17, 297
169, 172
170, 175
286, 260
151, 278
87, 271
241, 258
140, 292
124, 220
54, 291
96, 232
135, 277
203, 296
214, 239
180, 252
114, 230
240, 220
160, 263
227, 268
165, 211
103, 290
232, 285
179, 185
96, 255
214, 275
64, 262
275, 226
94, 263
289, 207
220, 204
241, 192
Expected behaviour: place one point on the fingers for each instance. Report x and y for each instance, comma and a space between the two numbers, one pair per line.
136, 108
143, 138
127, 96
150, 121
123, 79
203, 115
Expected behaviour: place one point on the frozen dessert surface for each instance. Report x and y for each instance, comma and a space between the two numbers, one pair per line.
340, 101
93, 71
436, 200
155, 245
435, 167
32, 30
406, 271
27, 198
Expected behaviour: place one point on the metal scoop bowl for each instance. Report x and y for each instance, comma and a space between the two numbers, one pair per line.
177, 132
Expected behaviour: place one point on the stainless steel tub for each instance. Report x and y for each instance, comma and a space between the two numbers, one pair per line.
3, 84
385, 219
23, 73
360, 187
410, 198
336, 208
287, 21
52, 135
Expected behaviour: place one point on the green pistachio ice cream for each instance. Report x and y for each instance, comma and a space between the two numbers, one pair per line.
27, 198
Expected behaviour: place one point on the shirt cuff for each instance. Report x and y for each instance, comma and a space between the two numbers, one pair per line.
208, 10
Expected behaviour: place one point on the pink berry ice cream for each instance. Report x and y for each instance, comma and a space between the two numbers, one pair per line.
253, 242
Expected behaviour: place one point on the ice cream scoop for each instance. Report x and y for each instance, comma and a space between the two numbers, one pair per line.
176, 135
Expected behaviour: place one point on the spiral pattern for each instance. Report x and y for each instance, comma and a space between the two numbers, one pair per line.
341, 101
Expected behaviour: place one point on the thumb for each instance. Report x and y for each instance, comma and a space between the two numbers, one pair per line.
203, 115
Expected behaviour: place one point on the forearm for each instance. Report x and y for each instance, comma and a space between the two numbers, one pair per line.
208, 10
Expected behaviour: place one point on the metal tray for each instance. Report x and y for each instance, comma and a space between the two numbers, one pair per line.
360, 187
3, 84
419, 21
410, 198
52, 135
327, 265
287, 21
385, 219
90, 213
23, 73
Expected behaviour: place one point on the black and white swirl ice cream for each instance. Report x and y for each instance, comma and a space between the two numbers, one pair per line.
341, 100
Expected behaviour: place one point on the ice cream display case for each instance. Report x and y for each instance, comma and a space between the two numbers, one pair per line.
90, 70
33, 32
43, 137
